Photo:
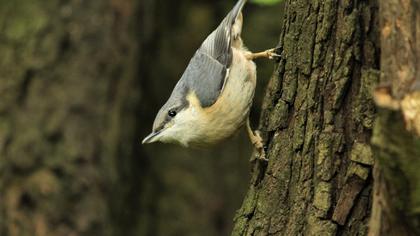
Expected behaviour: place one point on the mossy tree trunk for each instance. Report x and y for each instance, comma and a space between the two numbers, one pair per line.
67, 118
317, 121
396, 138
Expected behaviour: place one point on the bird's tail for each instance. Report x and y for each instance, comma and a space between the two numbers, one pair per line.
235, 22
218, 43
236, 11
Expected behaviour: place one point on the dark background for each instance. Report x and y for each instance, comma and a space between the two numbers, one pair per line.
81, 82
198, 191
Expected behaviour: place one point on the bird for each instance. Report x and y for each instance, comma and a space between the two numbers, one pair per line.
213, 97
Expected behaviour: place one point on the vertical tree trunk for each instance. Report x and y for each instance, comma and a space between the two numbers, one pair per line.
317, 119
396, 138
67, 123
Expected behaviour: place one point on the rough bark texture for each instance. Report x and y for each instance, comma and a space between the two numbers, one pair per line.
396, 138
317, 119
67, 122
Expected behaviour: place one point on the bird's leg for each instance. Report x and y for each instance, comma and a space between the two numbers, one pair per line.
256, 140
270, 54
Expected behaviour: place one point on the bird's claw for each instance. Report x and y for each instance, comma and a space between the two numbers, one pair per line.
259, 146
257, 142
272, 55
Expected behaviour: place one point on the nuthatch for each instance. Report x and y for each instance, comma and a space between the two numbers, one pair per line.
212, 99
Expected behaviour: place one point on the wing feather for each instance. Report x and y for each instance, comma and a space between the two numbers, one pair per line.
206, 73
205, 76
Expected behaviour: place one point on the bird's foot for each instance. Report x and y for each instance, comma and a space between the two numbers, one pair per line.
270, 54
256, 141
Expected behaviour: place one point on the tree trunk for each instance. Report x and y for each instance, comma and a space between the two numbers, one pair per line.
396, 137
317, 121
68, 163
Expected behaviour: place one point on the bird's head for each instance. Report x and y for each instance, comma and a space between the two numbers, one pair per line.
173, 123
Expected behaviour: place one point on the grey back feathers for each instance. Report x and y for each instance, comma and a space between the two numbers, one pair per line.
207, 70
205, 76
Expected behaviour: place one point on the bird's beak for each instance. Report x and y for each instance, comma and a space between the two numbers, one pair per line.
151, 138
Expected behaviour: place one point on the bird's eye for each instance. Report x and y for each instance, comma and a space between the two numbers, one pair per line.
172, 113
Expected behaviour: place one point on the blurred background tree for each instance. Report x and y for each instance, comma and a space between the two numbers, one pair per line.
81, 82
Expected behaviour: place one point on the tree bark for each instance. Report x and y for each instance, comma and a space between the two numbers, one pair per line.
317, 121
69, 164
396, 137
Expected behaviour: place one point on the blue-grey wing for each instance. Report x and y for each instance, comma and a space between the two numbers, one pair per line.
206, 73
205, 76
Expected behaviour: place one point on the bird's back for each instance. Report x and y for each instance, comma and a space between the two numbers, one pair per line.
208, 69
